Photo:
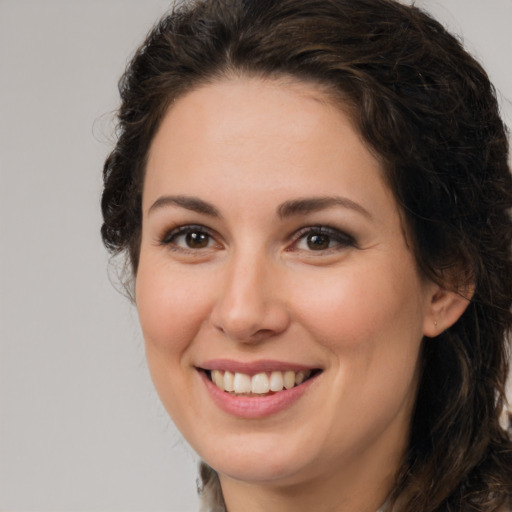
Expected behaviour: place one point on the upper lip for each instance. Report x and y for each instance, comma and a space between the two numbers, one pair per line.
253, 367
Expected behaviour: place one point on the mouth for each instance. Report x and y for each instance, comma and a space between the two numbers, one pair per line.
258, 384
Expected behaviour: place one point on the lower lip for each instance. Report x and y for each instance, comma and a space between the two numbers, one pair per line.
257, 406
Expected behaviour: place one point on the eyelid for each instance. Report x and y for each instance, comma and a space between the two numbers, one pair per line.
171, 234
342, 238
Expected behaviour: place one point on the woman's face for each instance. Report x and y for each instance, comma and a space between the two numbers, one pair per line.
272, 250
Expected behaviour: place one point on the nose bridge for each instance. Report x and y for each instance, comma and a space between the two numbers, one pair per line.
248, 306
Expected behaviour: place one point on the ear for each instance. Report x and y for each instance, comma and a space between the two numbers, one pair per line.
444, 308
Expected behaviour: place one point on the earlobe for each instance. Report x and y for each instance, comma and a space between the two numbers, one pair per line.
444, 309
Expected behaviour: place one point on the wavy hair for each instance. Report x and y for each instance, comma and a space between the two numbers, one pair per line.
426, 108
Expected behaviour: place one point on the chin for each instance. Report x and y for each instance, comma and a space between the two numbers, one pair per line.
275, 473
272, 462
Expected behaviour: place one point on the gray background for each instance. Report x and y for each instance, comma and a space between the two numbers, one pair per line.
81, 428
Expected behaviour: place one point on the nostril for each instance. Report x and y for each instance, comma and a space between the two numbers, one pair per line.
245, 331
262, 334
250, 325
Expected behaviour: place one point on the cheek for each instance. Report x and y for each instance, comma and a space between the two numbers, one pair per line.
370, 322
362, 306
171, 307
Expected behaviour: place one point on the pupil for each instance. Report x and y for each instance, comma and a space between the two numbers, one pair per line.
318, 242
197, 240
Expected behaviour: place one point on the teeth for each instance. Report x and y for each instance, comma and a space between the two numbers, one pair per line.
242, 383
289, 379
276, 381
300, 377
260, 383
229, 381
218, 378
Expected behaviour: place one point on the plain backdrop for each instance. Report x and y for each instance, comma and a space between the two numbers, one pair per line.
81, 428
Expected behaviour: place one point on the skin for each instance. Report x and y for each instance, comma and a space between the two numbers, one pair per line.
358, 309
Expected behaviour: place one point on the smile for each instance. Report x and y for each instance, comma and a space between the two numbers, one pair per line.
257, 389
243, 384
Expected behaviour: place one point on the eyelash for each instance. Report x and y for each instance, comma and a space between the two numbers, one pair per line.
339, 238
169, 239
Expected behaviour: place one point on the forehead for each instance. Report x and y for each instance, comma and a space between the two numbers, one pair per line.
287, 128
240, 105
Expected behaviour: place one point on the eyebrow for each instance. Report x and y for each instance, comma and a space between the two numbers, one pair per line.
301, 206
307, 205
189, 203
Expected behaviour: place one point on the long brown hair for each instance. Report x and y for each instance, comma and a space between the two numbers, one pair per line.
426, 108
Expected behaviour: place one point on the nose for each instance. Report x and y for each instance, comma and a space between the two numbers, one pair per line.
250, 306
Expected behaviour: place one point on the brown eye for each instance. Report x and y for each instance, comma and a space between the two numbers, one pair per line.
191, 238
322, 238
318, 242
197, 240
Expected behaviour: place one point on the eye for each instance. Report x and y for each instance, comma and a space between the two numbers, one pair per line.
322, 238
191, 238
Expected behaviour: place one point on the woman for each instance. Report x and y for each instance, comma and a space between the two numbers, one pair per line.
314, 197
